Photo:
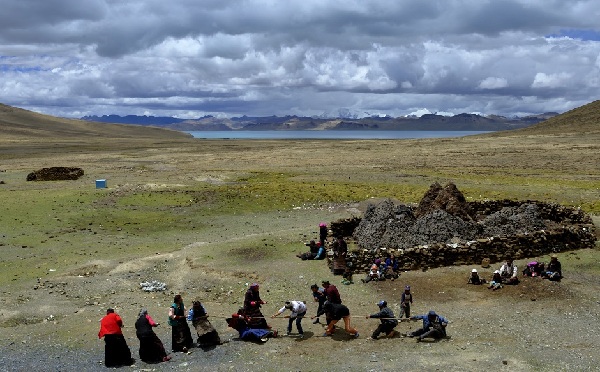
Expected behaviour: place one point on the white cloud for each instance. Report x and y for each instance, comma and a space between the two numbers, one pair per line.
543, 80
493, 83
260, 57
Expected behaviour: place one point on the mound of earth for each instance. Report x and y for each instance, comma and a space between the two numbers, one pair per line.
442, 216
55, 174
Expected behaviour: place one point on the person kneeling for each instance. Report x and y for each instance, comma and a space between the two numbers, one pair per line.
434, 326
388, 321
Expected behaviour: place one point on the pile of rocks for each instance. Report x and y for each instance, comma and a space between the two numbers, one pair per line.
55, 174
446, 230
153, 286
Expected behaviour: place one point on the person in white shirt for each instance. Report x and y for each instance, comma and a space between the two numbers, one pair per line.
298, 311
509, 272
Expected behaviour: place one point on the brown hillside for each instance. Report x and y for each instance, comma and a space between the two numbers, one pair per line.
18, 125
581, 120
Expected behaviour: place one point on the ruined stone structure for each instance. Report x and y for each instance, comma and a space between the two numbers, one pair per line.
445, 229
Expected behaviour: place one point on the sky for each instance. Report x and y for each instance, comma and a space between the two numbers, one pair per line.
191, 58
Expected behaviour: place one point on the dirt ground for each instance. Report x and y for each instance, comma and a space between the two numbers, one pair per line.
49, 309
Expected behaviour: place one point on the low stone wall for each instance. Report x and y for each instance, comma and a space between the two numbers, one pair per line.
574, 230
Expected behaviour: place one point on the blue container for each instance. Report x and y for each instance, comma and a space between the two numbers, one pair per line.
100, 184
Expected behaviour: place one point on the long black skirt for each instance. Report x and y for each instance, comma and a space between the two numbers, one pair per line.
116, 351
182, 337
152, 349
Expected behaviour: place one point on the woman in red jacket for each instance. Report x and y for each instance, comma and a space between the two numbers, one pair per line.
116, 351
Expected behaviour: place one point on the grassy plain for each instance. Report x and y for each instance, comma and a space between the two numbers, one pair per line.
209, 216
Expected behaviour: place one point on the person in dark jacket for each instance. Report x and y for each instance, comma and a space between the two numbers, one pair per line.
116, 351
252, 304
318, 296
323, 233
336, 312
434, 326
152, 349
207, 334
553, 270
474, 278
331, 292
387, 319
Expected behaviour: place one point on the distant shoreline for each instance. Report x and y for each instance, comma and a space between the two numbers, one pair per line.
331, 134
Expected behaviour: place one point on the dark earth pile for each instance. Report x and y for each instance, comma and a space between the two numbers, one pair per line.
55, 174
442, 216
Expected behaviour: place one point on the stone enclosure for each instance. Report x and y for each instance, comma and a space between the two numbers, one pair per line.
445, 230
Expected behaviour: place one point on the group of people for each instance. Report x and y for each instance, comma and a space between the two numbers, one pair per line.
152, 350
383, 269
508, 273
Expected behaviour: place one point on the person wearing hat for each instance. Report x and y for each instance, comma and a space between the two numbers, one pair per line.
252, 304
475, 278
405, 301
496, 282
387, 319
553, 270
116, 351
298, 311
434, 326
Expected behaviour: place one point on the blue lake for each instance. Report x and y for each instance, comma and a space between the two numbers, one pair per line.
330, 134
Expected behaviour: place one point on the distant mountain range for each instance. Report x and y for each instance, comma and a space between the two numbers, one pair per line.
429, 122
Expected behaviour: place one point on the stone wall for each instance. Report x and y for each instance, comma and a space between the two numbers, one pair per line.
571, 229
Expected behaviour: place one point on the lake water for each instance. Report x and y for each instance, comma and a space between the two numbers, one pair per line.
330, 134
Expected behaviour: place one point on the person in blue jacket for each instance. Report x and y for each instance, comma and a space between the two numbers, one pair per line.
434, 326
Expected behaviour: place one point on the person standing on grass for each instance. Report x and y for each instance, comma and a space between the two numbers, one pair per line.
116, 351
336, 312
181, 336
152, 349
298, 311
387, 319
318, 296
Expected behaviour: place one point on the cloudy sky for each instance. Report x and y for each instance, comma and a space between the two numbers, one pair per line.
190, 58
